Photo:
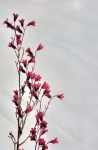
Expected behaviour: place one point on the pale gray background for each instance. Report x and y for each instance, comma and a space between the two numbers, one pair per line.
69, 62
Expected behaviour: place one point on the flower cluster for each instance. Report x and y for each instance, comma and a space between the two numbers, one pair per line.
25, 65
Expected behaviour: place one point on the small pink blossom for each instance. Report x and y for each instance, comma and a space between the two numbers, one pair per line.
38, 78
45, 86
31, 75
30, 53
40, 47
9, 25
36, 86
54, 141
16, 92
32, 60
15, 17
18, 29
33, 130
28, 109
61, 96
32, 23
21, 69
44, 131
19, 111
21, 22
43, 124
39, 116
41, 141
24, 63
12, 45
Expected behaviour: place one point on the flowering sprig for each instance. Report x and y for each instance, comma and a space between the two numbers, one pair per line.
37, 90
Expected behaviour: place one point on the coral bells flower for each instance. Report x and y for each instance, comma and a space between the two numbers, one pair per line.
28, 109
44, 131
24, 63
40, 47
39, 116
45, 86
12, 45
32, 23
31, 75
21, 22
16, 92
15, 99
30, 53
18, 40
32, 60
61, 96
9, 25
33, 130
15, 17
41, 141
54, 141
33, 137
19, 111
43, 124
38, 78
18, 29
21, 69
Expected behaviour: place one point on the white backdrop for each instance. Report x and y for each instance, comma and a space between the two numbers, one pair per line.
68, 29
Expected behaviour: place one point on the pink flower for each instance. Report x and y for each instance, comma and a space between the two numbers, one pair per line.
12, 45
30, 53
54, 141
40, 47
24, 63
19, 111
61, 96
38, 78
16, 92
9, 25
43, 124
45, 86
33, 130
15, 98
36, 86
18, 29
32, 23
39, 116
33, 137
47, 93
32, 60
21, 69
34, 93
28, 109
31, 75
21, 22
44, 131
41, 141
15, 17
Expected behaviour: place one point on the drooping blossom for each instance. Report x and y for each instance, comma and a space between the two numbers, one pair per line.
9, 25
12, 45
31, 75
18, 29
39, 116
21, 69
15, 99
38, 77
28, 109
46, 92
41, 141
19, 111
61, 96
40, 47
44, 131
32, 60
54, 141
25, 63
16, 92
34, 93
28, 84
21, 22
18, 40
45, 86
15, 17
43, 124
33, 132
36, 86
30, 53
32, 23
